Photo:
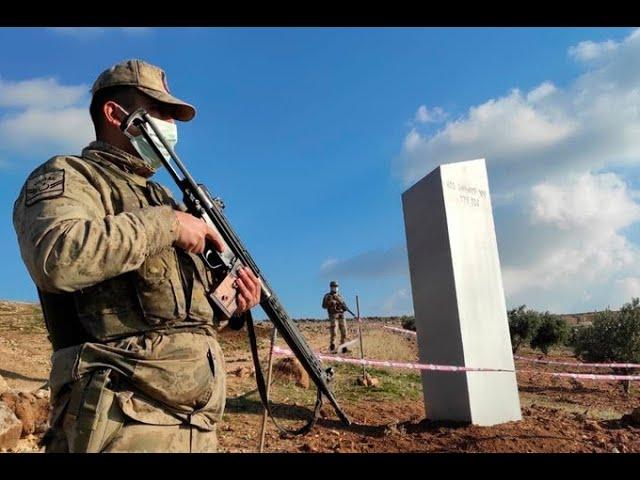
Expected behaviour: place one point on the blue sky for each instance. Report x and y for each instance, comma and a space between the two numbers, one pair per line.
311, 135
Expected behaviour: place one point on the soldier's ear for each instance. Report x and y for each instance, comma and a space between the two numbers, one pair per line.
113, 113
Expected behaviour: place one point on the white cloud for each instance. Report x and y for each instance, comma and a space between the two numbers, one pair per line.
424, 115
562, 220
548, 131
40, 115
593, 202
502, 130
629, 287
328, 264
36, 130
541, 92
40, 92
578, 246
397, 303
587, 51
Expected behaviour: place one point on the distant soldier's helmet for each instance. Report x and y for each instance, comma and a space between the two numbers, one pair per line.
333, 284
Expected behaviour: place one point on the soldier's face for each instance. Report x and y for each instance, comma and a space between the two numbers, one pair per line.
154, 108
161, 111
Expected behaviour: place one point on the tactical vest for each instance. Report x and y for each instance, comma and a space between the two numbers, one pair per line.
169, 290
333, 303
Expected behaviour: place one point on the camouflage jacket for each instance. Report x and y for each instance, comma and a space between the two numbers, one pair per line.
95, 230
334, 303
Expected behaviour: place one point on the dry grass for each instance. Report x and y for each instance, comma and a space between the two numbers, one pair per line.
21, 317
381, 344
592, 412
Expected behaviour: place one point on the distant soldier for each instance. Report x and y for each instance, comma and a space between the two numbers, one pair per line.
336, 306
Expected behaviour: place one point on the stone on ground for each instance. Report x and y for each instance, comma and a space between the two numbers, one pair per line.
290, 368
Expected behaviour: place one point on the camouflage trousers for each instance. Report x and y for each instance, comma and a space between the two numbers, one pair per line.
99, 409
115, 432
143, 438
337, 320
102, 426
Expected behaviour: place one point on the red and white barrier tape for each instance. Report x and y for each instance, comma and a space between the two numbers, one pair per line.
451, 368
586, 376
386, 363
550, 362
576, 364
401, 330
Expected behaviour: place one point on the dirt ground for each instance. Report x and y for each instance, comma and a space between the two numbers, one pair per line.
559, 414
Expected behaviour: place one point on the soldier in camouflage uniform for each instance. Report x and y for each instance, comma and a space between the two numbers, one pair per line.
335, 306
136, 365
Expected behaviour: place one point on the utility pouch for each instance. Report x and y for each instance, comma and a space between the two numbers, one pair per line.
93, 416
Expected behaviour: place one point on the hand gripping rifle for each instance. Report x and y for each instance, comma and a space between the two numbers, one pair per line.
224, 267
346, 309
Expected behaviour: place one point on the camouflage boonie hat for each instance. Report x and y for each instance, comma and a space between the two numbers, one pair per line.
147, 78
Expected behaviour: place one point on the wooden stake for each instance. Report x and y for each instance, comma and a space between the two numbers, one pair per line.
364, 371
274, 334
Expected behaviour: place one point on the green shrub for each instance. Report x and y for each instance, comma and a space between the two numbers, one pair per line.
614, 337
551, 330
572, 337
408, 322
522, 326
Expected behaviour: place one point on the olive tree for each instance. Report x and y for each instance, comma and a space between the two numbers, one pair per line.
551, 330
522, 326
614, 337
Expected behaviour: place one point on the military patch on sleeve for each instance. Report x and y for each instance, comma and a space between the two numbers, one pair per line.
47, 185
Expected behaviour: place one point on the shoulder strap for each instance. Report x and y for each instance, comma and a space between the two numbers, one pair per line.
262, 387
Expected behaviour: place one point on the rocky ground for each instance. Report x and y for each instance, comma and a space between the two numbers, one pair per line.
559, 414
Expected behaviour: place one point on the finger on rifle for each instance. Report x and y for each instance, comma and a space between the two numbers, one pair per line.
250, 280
242, 305
199, 246
242, 289
215, 239
252, 276
247, 293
